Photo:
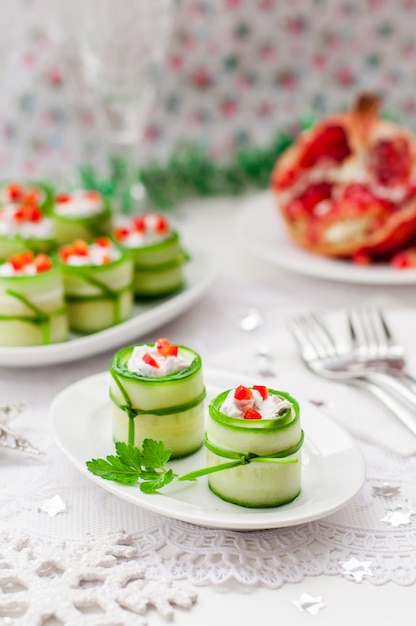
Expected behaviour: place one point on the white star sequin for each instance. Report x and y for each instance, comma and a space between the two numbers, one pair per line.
53, 506
309, 604
398, 517
356, 570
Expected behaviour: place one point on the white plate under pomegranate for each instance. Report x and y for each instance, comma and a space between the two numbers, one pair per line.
261, 230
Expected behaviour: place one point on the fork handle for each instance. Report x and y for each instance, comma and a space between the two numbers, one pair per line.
407, 417
403, 386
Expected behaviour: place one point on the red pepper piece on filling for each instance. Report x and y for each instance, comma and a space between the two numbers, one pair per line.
165, 348
243, 393
251, 414
147, 358
262, 389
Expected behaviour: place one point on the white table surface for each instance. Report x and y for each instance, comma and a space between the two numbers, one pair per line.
210, 225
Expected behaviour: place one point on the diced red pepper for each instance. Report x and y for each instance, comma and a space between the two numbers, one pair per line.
103, 242
65, 252
92, 195
262, 389
139, 223
251, 414
147, 358
42, 263
105, 259
161, 225
19, 261
121, 233
19, 215
80, 247
165, 348
61, 198
243, 393
32, 213
15, 192
31, 196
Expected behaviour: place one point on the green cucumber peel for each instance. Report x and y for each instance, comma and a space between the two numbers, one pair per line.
280, 422
99, 297
119, 360
40, 318
160, 267
280, 458
170, 410
146, 466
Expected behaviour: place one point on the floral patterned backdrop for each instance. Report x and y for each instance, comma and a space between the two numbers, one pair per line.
237, 71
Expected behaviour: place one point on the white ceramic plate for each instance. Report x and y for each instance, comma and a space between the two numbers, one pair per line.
333, 467
261, 230
199, 274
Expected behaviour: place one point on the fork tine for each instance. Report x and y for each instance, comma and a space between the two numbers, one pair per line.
369, 332
313, 336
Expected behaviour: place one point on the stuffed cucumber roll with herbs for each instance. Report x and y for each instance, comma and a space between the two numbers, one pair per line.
24, 226
157, 392
81, 214
158, 254
255, 435
98, 284
32, 306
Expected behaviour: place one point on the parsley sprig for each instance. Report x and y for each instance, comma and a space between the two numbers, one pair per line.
131, 465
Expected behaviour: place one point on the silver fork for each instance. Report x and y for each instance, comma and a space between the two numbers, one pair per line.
372, 339
321, 353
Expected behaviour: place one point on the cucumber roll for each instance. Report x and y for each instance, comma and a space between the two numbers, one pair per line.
32, 306
27, 193
24, 226
158, 254
254, 435
98, 284
157, 392
81, 214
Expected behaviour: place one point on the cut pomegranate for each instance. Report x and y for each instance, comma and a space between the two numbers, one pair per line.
347, 187
390, 161
331, 142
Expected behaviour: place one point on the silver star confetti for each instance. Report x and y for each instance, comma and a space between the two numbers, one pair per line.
356, 570
309, 604
53, 506
398, 516
251, 320
386, 490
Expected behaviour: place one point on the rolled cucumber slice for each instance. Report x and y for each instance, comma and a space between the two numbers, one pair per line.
32, 309
68, 229
10, 246
158, 267
168, 408
269, 450
98, 296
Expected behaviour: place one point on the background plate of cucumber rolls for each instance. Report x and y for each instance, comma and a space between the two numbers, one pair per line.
199, 273
81, 425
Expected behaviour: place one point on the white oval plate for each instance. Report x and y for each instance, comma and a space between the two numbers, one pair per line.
332, 464
261, 230
199, 274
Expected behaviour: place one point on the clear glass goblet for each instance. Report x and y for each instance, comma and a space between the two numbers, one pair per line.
122, 46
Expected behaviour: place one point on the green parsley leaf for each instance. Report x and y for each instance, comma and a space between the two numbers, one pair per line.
154, 454
131, 465
113, 468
